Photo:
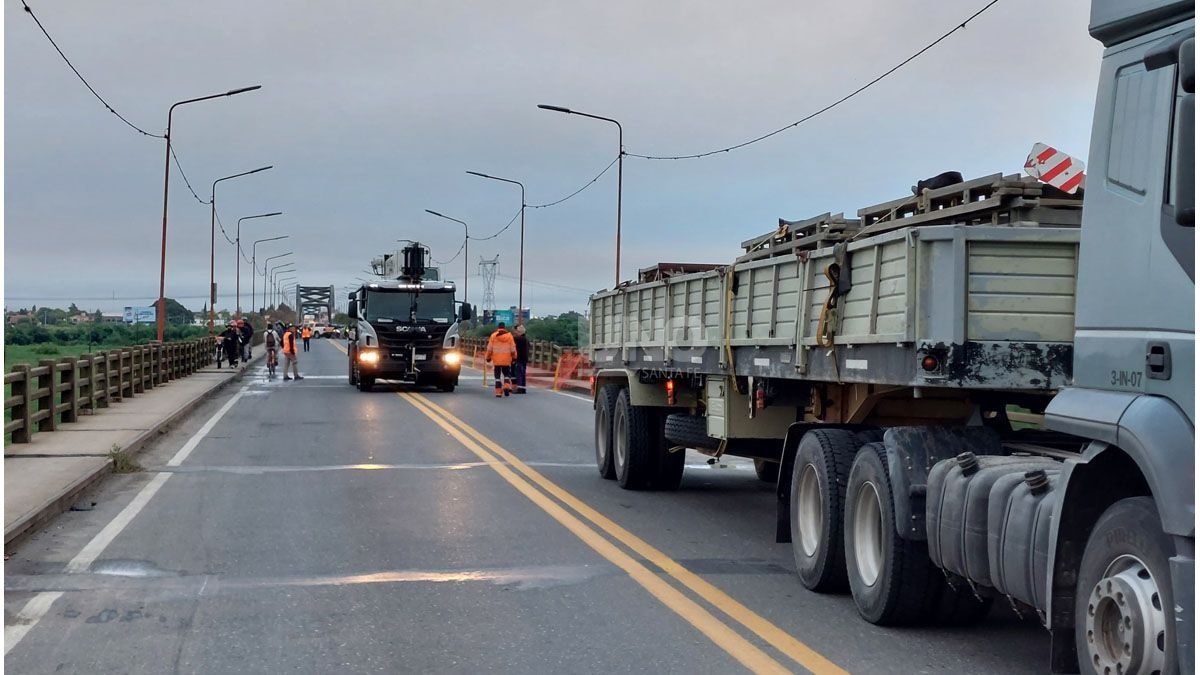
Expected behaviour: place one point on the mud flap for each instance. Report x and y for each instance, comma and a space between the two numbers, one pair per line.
912, 452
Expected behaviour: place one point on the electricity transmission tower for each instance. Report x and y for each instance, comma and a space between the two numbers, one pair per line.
487, 270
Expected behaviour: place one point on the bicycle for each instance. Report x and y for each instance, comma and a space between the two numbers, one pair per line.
272, 361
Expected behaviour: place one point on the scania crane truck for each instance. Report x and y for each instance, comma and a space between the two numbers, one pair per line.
406, 328
981, 393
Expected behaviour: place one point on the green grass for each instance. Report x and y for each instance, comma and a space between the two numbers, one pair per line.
31, 354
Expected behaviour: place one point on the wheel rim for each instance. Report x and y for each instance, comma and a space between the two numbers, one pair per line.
1126, 625
809, 508
601, 437
619, 449
868, 534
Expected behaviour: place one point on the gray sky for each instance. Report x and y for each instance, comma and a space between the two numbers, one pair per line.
371, 112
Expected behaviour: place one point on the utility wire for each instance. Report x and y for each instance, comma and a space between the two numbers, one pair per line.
581, 189
222, 226
501, 231
546, 283
184, 175
131, 125
453, 257
831, 106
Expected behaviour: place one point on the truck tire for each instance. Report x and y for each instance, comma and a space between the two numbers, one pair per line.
350, 352
365, 382
816, 502
1124, 604
891, 578
670, 466
447, 384
606, 402
690, 431
767, 471
636, 443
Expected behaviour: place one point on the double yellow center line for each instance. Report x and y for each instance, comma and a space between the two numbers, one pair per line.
527, 483
555, 502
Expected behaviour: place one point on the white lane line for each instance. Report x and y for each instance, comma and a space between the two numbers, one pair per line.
39, 605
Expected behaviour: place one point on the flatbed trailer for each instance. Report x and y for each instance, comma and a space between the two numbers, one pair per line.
979, 394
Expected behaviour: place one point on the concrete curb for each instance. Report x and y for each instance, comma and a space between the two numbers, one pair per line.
38, 517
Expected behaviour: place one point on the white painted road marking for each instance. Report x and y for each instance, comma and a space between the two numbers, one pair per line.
36, 608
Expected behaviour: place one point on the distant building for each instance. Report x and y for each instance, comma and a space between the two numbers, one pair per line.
112, 317
82, 317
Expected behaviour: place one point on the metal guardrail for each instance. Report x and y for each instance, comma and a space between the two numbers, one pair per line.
56, 391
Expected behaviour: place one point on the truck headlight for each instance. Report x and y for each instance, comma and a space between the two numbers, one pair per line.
368, 356
452, 358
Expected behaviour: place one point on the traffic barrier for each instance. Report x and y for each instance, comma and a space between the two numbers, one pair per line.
57, 391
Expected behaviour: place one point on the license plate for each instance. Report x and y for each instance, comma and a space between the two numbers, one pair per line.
419, 357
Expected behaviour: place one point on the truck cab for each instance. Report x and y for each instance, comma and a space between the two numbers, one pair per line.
406, 329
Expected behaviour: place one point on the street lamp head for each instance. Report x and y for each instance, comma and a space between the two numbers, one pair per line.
435, 213
243, 90
555, 108
481, 175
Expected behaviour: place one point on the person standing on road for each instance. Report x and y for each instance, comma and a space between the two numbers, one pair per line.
501, 351
231, 341
306, 333
522, 361
247, 332
290, 358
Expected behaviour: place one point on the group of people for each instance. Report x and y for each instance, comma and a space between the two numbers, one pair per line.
234, 345
508, 352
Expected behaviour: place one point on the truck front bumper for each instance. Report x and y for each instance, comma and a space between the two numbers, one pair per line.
1183, 586
401, 365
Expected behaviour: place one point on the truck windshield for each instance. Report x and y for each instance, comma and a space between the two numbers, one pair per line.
434, 306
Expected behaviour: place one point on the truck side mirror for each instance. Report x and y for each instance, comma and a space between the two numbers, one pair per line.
352, 311
464, 312
1183, 189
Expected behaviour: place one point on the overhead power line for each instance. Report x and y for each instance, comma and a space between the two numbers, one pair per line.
831, 106
107, 106
184, 176
581, 189
501, 230
453, 257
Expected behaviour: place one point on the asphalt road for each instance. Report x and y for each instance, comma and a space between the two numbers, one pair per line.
314, 528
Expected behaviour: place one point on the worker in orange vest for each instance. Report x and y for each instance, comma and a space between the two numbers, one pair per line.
290, 359
306, 333
501, 352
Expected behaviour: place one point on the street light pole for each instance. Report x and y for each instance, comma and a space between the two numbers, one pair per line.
212, 248
254, 267
266, 263
466, 253
162, 265
278, 271
237, 253
521, 264
620, 163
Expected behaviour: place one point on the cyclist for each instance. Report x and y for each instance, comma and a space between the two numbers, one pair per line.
271, 342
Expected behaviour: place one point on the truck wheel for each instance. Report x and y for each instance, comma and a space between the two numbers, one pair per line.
351, 351
606, 402
768, 472
817, 500
447, 384
1124, 604
891, 578
635, 443
670, 467
365, 382
690, 431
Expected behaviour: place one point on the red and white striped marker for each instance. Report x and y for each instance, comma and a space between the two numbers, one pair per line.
1055, 168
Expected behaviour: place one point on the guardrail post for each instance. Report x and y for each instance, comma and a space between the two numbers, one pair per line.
23, 410
135, 370
87, 383
71, 410
47, 401
101, 372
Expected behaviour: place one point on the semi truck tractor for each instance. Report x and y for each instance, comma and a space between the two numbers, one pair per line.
979, 394
406, 328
